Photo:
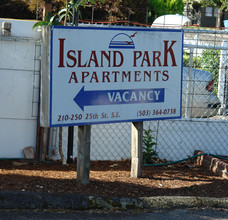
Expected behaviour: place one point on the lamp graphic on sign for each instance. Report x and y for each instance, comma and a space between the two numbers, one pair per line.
122, 41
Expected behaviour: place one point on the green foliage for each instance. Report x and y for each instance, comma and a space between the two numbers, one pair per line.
210, 61
196, 60
222, 4
162, 7
49, 20
185, 58
148, 147
104, 10
65, 13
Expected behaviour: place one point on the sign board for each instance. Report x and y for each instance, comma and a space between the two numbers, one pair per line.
106, 75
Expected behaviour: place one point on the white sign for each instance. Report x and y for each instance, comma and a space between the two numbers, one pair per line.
105, 75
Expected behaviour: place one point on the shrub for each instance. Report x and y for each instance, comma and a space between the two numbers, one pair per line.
148, 147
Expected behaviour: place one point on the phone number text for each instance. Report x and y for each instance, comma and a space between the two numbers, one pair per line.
153, 112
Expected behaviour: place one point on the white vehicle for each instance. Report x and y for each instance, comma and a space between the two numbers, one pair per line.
199, 99
171, 21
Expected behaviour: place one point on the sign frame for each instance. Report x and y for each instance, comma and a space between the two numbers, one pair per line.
114, 119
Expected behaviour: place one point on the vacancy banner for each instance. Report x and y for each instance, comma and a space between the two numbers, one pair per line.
106, 75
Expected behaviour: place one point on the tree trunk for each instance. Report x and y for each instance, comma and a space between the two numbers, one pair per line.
218, 20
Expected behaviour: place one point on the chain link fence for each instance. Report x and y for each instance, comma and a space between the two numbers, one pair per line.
204, 123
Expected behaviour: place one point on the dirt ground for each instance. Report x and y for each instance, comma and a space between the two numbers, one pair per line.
112, 178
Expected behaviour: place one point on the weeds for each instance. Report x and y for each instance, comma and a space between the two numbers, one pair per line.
149, 152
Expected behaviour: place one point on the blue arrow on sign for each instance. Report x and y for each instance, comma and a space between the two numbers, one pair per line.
116, 97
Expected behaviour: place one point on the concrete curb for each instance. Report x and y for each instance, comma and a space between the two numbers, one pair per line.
184, 201
30, 200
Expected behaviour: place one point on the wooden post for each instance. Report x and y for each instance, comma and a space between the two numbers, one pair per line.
136, 149
70, 145
45, 138
71, 128
44, 102
83, 155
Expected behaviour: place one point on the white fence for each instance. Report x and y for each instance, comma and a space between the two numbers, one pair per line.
19, 88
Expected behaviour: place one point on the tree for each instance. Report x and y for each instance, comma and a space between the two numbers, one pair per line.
15, 9
220, 4
111, 10
118, 10
72, 9
162, 7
